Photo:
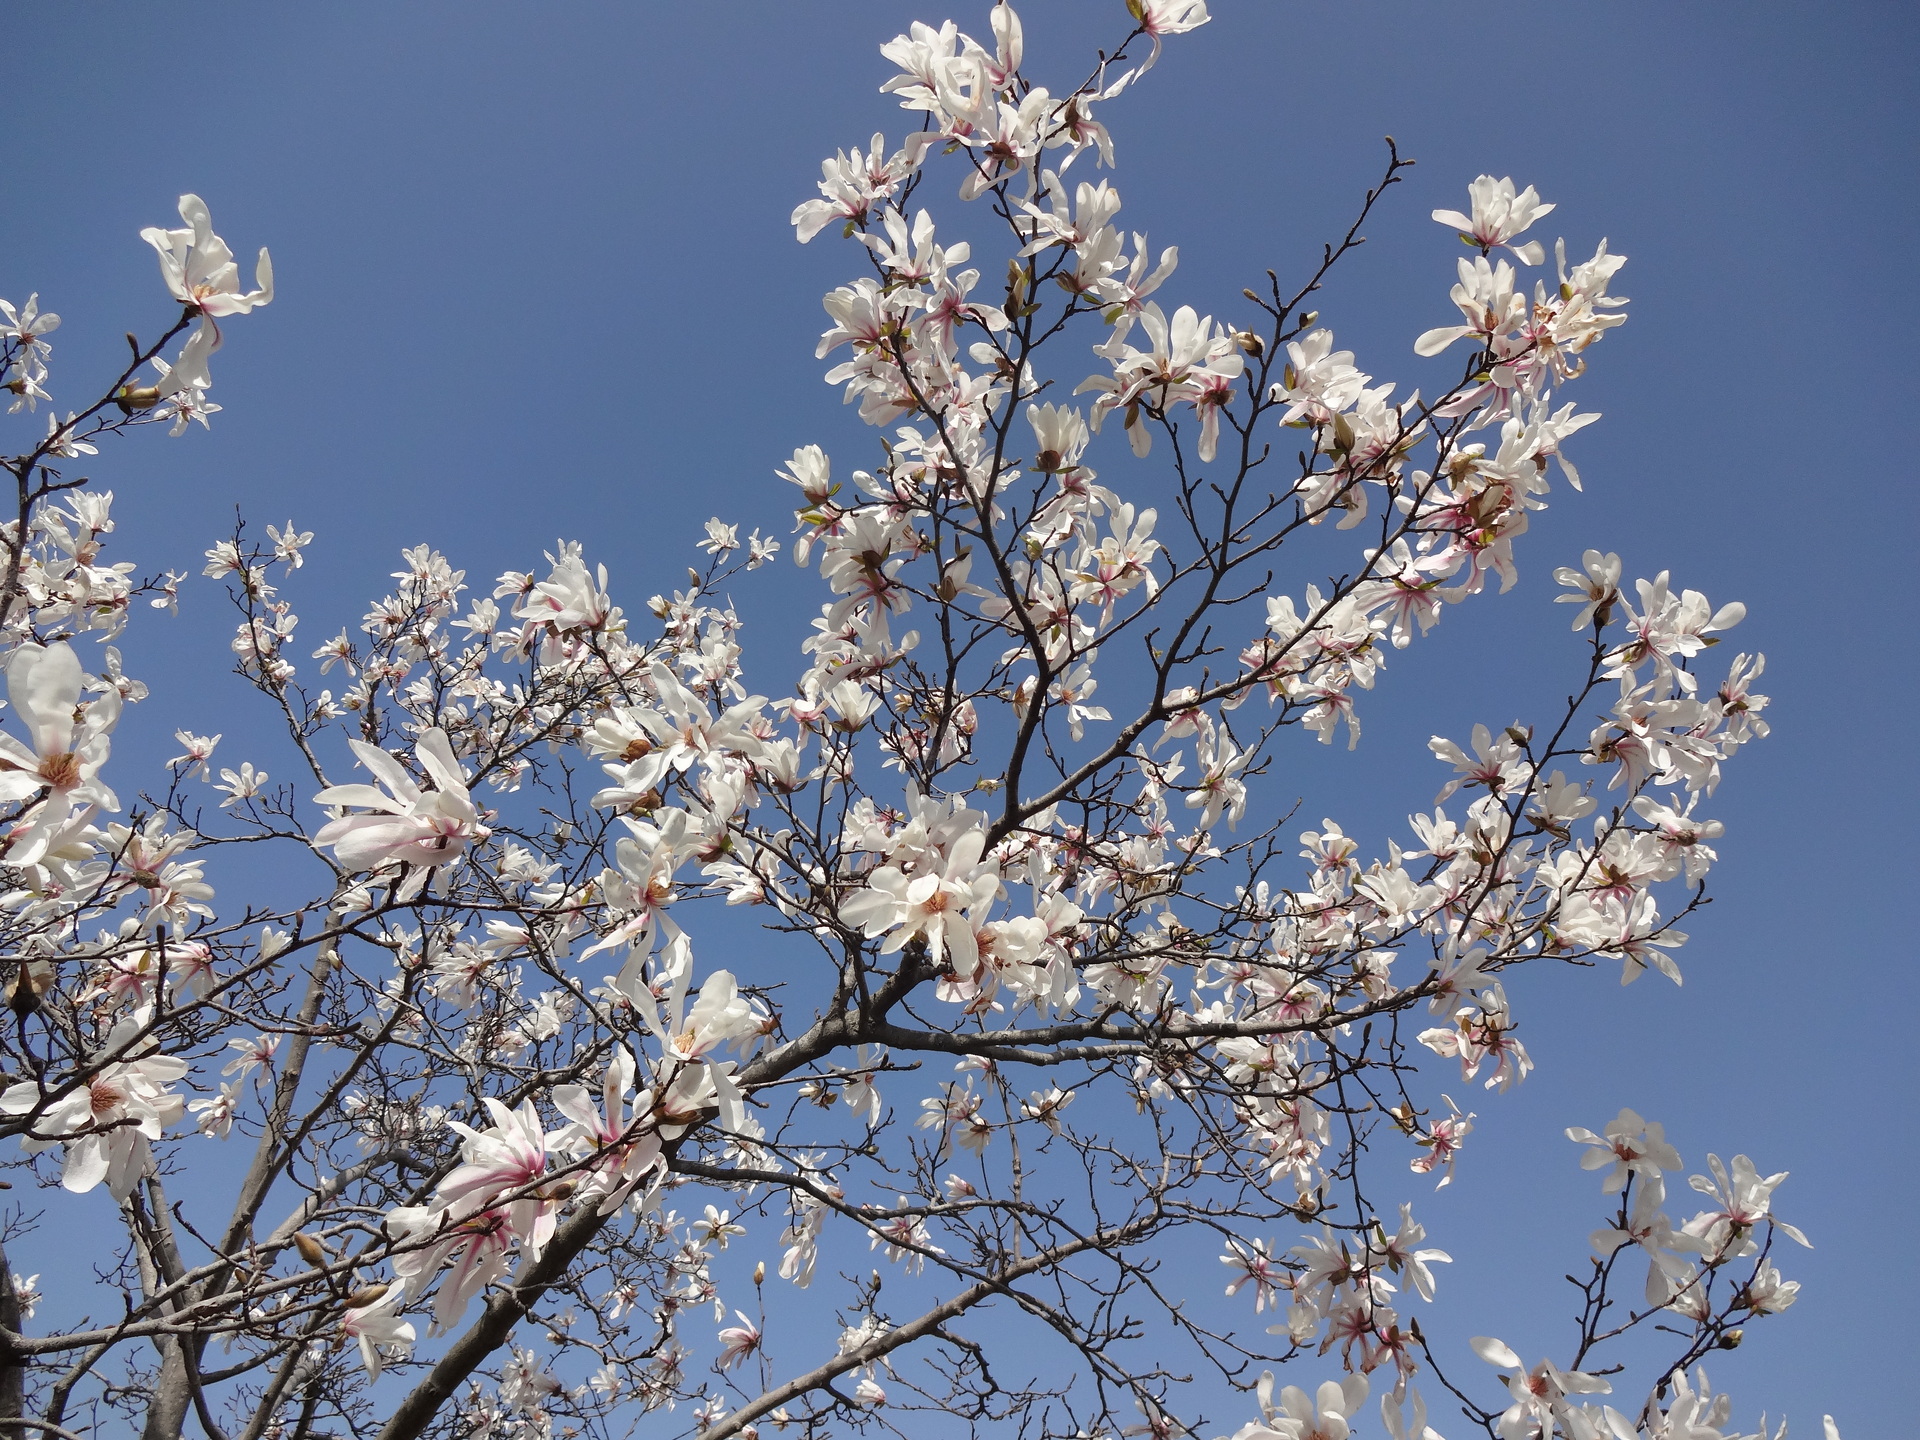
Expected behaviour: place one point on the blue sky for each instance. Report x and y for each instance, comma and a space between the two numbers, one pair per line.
535, 279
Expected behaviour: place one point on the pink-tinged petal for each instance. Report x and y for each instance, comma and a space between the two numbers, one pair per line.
480, 1259
30, 845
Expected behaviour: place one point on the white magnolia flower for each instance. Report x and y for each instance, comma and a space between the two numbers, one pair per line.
737, 1342
26, 1294
422, 828
44, 684
931, 904
1499, 215
199, 268
375, 1324
106, 1124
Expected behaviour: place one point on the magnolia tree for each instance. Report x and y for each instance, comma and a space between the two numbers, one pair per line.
483, 1136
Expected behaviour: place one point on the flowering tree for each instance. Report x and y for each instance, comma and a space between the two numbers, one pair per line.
470, 1141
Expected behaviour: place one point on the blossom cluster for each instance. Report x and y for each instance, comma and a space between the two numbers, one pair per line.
518, 806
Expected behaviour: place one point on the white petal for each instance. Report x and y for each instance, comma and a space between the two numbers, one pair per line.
44, 685
1434, 341
1495, 1352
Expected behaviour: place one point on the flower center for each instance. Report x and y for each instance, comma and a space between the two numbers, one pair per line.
61, 771
103, 1096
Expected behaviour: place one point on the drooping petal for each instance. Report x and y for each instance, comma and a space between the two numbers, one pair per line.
86, 1164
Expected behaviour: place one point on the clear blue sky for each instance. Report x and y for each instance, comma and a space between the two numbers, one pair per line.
535, 279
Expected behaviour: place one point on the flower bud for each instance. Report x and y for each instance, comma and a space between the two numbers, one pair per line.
367, 1295
311, 1250
30, 981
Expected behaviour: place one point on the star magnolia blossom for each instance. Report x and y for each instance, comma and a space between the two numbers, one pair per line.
1498, 215
107, 1125
1298, 1416
1190, 362
199, 268
421, 829
931, 904
474, 1251
1539, 1395
374, 1325
1631, 1145
200, 272
489, 1206
509, 1157
44, 684
737, 1342
624, 1150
